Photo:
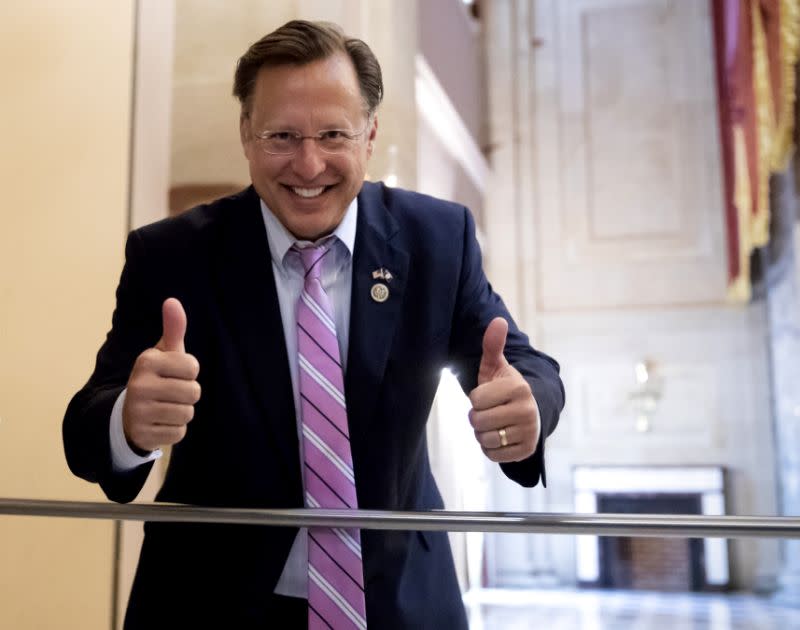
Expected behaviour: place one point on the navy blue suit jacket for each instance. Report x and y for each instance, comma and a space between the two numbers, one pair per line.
241, 448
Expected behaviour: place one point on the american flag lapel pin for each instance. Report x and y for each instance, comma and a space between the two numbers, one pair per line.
382, 274
379, 291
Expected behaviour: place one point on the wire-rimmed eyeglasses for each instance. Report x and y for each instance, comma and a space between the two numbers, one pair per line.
284, 142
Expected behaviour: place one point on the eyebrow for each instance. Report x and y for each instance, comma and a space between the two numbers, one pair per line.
340, 126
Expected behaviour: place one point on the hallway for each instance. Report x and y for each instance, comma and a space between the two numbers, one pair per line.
494, 609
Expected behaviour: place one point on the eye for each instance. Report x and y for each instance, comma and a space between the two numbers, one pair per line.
280, 136
333, 134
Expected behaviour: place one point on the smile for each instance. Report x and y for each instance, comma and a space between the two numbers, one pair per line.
308, 193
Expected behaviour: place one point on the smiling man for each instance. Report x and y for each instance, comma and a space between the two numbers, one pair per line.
288, 342
306, 182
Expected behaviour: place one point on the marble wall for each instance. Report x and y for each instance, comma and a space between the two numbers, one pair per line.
781, 263
605, 232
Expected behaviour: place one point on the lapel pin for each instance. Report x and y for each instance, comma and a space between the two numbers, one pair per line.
382, 274
379, 292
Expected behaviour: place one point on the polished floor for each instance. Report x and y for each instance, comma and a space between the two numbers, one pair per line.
491, 609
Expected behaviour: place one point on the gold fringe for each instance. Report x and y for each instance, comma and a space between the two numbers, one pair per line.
765, 126
739, 287
739, 290
790, 54
774, 137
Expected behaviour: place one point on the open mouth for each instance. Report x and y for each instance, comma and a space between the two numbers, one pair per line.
308, 193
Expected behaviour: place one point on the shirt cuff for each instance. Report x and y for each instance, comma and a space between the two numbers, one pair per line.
123, 459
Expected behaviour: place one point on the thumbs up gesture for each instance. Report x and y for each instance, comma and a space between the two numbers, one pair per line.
504, 414
162, 388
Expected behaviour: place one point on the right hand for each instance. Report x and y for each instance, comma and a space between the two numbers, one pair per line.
162, 388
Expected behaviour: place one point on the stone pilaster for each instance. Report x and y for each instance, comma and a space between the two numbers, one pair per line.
511, 253
783, 307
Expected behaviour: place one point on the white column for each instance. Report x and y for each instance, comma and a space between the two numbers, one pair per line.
511, 261
783, 306
151, 140
152, 112
391, 32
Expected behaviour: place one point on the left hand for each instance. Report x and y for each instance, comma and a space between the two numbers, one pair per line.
502, 404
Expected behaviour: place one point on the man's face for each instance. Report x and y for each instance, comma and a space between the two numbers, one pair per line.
310, 190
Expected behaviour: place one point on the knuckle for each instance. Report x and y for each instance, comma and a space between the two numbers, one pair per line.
131, 389
528, 452
478, 421
521, 389
168, 436
133, 424
133, 432
197, 391
147, 359
523, 453
491, 454
135, 391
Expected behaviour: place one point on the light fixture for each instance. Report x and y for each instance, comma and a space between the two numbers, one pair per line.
645, 395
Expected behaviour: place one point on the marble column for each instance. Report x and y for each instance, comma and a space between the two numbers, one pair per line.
783, 307
390, 28
511, 261
149, 192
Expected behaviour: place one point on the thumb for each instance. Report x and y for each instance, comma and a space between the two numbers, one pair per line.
494, 342
174, 318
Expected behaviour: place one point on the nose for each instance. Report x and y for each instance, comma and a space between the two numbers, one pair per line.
309, 161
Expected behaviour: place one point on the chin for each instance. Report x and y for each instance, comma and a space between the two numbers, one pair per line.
311, 230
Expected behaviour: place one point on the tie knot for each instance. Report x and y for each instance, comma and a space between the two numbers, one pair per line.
311, 257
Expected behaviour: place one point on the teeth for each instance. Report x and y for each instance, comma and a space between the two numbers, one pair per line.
308, 192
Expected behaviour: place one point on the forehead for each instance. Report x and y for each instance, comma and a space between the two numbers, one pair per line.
312, 92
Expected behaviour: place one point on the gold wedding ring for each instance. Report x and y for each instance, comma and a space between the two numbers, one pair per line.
503, 437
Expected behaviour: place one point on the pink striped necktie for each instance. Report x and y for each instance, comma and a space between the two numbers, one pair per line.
335, 572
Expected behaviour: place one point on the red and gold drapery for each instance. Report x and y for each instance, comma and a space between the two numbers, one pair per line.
757, 45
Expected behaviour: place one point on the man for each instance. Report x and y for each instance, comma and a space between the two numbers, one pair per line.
301, 326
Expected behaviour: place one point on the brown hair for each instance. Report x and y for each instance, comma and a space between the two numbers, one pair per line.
300, 42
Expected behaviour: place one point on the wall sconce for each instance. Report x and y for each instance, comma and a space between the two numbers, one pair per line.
645, 395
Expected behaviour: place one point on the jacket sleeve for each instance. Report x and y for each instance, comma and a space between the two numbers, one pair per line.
476, 305
86, 423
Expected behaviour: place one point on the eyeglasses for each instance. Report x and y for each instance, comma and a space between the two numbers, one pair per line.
288, 142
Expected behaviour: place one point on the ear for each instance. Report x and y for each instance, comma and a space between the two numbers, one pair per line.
373, 133
244, 131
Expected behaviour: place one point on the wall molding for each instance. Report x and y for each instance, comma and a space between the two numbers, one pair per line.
437, 110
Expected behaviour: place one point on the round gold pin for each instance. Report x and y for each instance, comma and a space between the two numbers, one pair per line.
379, 292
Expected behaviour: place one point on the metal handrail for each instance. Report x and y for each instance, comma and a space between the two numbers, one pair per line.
655, 525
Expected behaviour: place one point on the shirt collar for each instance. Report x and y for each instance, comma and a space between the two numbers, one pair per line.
281, 240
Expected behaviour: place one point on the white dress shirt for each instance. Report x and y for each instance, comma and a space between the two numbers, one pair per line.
337, 280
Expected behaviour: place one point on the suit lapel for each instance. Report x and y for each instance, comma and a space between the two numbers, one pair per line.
246, 286
248, 297
372, 323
